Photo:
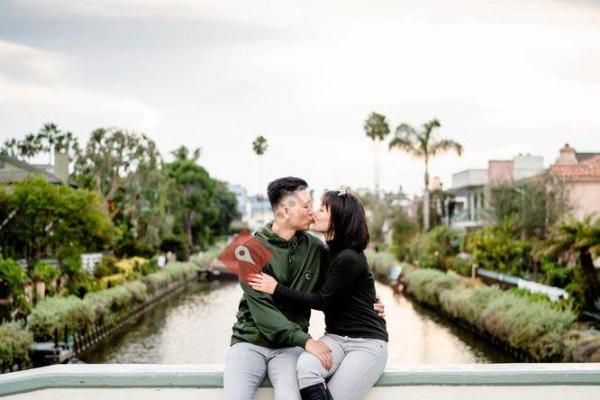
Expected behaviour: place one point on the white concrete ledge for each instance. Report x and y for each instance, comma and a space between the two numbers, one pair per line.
157, 376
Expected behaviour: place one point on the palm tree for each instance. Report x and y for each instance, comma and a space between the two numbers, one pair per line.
182, 153
30, 146
376, 128
581, 237
260, 145
66, 142
423, 144
10, 148
49, 134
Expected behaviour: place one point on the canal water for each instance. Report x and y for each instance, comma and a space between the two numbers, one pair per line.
195, 327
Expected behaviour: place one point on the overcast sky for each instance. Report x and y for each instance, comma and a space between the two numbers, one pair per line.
503, 77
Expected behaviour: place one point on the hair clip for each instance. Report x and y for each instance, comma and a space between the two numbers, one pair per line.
343, 192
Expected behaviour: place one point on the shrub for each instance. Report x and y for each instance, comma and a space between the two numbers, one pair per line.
381, 263
62, 314
528, 322
204, 258
533, 326
494, 248
116, 299
434, 248
106, 266
150, 267
132, 267
556, 275
112, 281
157, 280
138, 290
468, 303
15, 342
428, 284
461, 264
582, 346
113, 299
13, 277
177, 245
44, 272
181, 270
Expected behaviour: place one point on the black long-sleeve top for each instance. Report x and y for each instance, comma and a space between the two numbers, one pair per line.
346, 296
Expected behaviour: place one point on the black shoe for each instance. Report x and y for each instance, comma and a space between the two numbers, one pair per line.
315, 392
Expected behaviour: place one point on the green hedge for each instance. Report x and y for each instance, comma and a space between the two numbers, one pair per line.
535, 326
60, 314
428, 284
117, 298
15, 342
204, 258
75, 315
381, 263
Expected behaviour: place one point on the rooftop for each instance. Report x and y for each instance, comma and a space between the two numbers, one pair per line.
588, 168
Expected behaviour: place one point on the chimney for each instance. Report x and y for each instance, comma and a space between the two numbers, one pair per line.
567, 156
61, 167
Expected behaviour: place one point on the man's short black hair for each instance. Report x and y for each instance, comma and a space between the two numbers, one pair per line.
281, 187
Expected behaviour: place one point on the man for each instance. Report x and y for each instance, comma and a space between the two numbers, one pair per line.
269, 337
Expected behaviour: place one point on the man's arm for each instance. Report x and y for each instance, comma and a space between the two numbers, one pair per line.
270, 321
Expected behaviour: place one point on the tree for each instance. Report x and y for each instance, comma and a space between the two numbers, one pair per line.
110, 156
582, 238
50, 219
376, 128
534, 204
423, 144
10, 148
195, 189
226, 202
381, 211
49, 138
260, 145
125, 168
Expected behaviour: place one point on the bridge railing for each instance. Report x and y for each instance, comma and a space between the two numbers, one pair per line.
162, 382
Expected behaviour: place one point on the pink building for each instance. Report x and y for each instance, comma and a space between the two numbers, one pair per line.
581, 174
500, 171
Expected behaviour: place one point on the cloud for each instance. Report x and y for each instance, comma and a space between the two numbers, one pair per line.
33, 79
25, 60
503, 77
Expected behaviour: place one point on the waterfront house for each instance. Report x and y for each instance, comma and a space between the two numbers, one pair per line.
13, 171
581, 174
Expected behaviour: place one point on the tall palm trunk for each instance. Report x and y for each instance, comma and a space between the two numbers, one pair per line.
260, 174
376, 165
426, 198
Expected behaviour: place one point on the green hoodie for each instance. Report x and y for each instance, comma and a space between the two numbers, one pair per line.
297, 263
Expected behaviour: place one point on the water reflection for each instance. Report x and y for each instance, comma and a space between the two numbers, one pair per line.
195, 327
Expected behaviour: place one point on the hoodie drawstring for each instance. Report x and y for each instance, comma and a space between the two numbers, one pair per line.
292, 244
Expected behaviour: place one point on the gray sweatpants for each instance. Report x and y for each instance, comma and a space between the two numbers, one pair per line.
357, 364
247, 364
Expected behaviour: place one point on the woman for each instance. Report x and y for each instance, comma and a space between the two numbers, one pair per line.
356, 335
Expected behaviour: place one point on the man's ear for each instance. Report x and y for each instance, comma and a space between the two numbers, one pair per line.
281, 212
285, 211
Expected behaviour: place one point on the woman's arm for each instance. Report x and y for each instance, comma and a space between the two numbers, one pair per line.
340, 276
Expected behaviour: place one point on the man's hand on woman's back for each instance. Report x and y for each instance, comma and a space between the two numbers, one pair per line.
379, 308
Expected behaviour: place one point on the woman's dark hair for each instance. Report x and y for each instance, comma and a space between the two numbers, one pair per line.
348, 222
281, 187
